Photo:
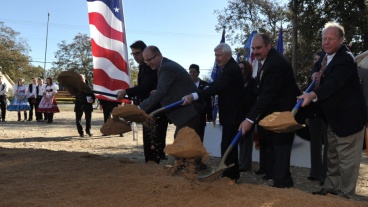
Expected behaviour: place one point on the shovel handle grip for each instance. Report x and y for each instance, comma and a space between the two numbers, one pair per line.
173, 105
300, 101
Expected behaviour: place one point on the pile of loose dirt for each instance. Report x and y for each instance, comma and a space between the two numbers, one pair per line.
187, 144
278, 121
130, 113
115, 126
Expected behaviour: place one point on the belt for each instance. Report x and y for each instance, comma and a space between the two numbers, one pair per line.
39, 96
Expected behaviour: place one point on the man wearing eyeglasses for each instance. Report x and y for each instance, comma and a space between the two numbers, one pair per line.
173, 83
147, 82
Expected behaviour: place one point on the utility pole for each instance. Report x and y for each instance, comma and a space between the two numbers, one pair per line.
47, 34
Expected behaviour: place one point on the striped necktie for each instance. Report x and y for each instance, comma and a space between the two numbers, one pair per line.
323, 67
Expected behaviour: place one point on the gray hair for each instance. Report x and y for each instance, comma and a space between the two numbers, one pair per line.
225, 48
339, 27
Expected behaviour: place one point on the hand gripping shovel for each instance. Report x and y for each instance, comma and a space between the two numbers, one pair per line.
282, 122
212, 174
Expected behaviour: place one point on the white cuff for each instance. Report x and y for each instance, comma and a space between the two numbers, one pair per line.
195, 96
250, 120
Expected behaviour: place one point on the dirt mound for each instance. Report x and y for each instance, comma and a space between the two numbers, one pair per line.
187, 144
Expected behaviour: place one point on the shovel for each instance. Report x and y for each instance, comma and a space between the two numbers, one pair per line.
134, 114
170, 106
73, 83
282, 122
212, 174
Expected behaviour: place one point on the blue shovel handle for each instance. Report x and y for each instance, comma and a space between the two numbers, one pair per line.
173, 105
299, 103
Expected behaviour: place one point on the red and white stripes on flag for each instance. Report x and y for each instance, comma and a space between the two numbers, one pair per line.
109, 49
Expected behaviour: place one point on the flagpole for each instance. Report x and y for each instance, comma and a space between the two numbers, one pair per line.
47, 34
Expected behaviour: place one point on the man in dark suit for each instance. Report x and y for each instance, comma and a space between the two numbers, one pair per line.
276, 90
340, 95
147, 82
229, 88
173, 83
83, 104
206, 114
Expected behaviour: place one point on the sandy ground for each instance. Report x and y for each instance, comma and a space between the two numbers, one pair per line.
50, 165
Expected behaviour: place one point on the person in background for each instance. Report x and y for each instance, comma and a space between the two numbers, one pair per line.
84, 104
206, 114
40, 89
318, 138
246, 141
20, 102
153, 144
48, 104
3, 93
32, 95
276, 89
229, 87
339, 93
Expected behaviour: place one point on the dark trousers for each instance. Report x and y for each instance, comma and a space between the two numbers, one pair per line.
107, 109
78, 121
32, 103
318, 138
39, 114
193, 123
246, 150
154, 140
265, 161
279, 147
3, 106
228, 134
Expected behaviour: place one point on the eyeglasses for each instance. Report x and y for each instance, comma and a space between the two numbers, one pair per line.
146, 61
136, 53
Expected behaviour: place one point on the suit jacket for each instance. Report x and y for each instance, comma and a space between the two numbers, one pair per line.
207, 113
81, 103
340, 94
173, 84
363, 74
275, 87
228, 86
147, 82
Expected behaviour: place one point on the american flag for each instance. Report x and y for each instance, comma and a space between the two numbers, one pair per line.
109, 49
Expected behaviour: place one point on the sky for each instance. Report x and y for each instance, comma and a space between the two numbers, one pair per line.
184, 30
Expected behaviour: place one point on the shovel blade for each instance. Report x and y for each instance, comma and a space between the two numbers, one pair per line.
211, 174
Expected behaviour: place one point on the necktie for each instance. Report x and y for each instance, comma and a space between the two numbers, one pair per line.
323, 67
259, 69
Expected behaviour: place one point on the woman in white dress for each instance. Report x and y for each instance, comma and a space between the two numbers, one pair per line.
48, 103
20, 101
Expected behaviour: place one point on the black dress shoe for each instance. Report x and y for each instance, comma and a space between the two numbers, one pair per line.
81, 135
267, 177
323, 192
259, 172
311, 178
321, 183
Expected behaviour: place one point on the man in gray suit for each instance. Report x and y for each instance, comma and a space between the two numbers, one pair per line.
173, 83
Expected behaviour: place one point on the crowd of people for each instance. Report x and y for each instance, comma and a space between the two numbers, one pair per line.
337, 112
